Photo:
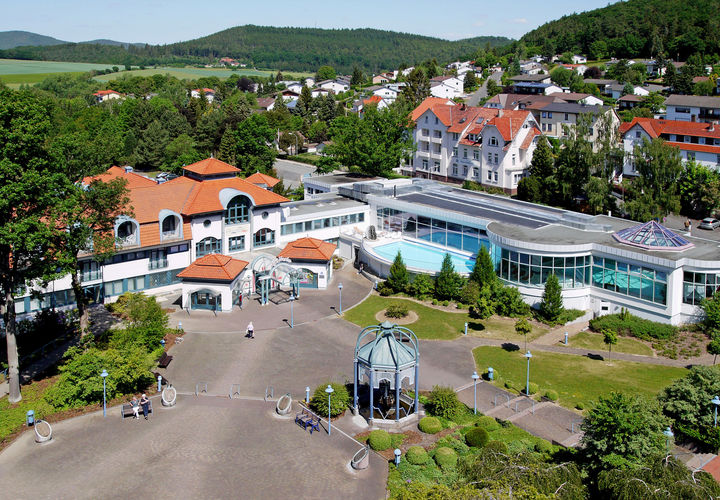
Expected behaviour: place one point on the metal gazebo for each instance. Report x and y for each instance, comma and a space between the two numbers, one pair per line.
386, 353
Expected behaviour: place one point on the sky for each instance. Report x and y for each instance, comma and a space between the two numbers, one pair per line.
169, 21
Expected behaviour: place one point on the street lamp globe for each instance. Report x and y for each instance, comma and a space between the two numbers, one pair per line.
475, 376
104, 374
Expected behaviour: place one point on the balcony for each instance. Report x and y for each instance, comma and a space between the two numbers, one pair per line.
170, 235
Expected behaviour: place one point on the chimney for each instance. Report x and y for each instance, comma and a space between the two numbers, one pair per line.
500, 112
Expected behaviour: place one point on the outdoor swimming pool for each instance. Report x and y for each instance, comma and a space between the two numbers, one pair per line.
423, 257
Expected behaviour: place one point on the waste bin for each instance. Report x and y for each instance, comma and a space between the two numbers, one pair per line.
30, 418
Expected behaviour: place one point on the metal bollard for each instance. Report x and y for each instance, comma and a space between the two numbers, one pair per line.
159, 383
466, 328
30, 418
376, 283
491, 374
566, 338
397, 456
307, 395
162, 343
179, 325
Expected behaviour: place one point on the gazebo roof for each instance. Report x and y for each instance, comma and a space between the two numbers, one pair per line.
653, 236
387, 351
214, 267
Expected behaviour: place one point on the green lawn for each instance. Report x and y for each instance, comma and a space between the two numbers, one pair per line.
12, 416
589, 340
193, 73
576, 378
28, 78
437, 324
19, 67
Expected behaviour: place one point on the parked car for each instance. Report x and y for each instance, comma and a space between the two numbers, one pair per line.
709, 223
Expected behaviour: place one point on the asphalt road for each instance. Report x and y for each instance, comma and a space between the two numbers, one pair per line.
291, 172
481, 93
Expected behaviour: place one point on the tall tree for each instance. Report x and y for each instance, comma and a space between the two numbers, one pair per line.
150, 151
325, 73
551, 306
398, 278
417, 88
483, 272
357, 76
375, 143
448, 283
29, 187
254, 139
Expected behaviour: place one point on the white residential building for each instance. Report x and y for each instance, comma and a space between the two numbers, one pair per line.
579, 59
386, 93
697, 141
457, 142
693, 108
335, 86
209, 94
106, 95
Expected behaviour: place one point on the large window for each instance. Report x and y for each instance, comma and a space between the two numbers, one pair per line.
207, 246
628, 279
264, 237
699, 286
236, 243
301, 227
238, 210
533, 270
158, 259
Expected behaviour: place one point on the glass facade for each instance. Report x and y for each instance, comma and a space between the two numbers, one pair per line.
699, 286
628, 279
438, 231
530, 269
309, 225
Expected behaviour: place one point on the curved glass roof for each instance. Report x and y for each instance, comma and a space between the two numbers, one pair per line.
653, 236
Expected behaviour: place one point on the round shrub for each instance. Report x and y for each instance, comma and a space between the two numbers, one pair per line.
477, 437
339, 400
580, 405
488, 423
543, 447
416, 455
508, 384
445, 303
551, 395
430, 425
434, 302
379, 440
497, 446
443, 402
446, 457
533, 388
396, 311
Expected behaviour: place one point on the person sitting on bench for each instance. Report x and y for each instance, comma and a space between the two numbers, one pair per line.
135, 407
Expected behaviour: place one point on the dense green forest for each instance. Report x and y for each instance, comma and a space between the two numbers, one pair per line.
636, 28
289, 49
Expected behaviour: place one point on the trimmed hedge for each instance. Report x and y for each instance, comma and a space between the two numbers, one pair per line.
340, 399
628, 325
379, 440
430, 425
477, 437
533, 388
446, 457
497, 446
488, 423
444, 402
552, 395
416, 455
580, 406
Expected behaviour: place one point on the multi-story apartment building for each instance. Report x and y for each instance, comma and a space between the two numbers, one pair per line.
699, 142
456, 142
554, 117
692, 108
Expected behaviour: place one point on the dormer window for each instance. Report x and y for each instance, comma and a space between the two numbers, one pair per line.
127, 231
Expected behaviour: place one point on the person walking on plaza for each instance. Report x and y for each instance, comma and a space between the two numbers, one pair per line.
135, 407
145, 402
251, 330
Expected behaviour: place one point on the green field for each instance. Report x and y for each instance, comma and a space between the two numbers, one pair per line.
192, 73
576, 378
594, 341
436, 324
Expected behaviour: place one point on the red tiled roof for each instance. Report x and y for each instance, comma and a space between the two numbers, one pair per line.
105, 92
258, 178
205, 90
308, 249
437, 105
656, 128
214, 267
205, 198
376, 99
133, 180
510, 123
713, 468
529, 138
701, 148
211, 166
569, 96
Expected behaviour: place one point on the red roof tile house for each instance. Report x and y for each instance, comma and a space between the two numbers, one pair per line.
697, 141
214, 282
208, 93
456, 142
106, 95
313, 257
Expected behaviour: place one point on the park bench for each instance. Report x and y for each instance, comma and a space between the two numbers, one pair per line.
164, 360
127, 410
306, 419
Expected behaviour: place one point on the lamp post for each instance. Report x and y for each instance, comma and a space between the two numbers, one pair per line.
668, 435
475, 378
340, 288
527, 379
716, 402
104, 375
329, 391
292, 317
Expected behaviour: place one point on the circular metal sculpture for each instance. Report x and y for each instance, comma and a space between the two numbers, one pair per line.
169, 396
284, 405
361, 459
43, 431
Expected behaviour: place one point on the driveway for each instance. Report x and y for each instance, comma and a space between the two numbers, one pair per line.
481, 93
291, 172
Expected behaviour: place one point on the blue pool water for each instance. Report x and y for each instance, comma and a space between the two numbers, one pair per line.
423, 257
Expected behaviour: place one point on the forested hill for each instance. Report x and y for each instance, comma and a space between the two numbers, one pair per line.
10, 39
288, 49
636, 28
